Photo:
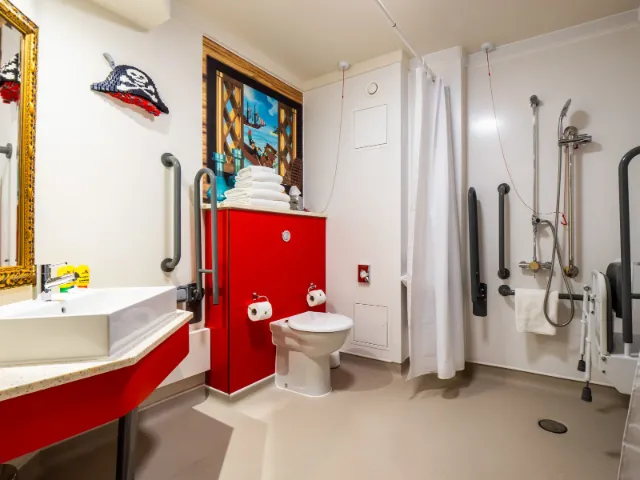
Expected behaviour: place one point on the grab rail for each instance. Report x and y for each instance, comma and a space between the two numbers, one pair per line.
506, 291
478, 289
169, 264
625, 243
197, 204
503, 272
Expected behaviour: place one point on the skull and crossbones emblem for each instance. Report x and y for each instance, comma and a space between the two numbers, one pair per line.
134, 79
133, 86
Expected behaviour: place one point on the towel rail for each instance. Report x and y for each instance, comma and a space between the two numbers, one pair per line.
506, 291
169, 264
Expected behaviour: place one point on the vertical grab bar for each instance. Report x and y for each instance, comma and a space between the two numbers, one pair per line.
169, 264
197, 204
478, 289
503, 272
625, 245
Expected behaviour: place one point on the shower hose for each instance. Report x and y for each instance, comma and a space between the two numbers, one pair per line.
556, 252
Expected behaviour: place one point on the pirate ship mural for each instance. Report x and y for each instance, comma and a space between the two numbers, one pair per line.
260, 128
248, 123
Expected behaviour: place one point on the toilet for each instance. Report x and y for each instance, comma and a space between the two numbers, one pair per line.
304, 344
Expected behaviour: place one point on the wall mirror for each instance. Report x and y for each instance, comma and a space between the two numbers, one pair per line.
18, 70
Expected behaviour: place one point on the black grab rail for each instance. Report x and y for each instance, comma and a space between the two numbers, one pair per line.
625, 243
503, 272
478, 289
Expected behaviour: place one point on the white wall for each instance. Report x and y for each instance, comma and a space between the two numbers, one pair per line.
597, 65
364, 217
102, 196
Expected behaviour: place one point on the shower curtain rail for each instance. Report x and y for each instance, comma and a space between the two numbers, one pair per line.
169, 264
404, 40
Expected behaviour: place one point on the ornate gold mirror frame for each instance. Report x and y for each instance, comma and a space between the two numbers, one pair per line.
24, 273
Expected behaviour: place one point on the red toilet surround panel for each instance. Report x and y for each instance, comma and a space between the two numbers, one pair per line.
254, 257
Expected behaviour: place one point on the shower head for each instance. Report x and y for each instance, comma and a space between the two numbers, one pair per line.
565, 109
563, 114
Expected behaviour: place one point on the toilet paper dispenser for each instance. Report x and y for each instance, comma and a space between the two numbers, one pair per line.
260, 309
315, 296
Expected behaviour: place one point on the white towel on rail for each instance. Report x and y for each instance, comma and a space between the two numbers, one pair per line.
260, 185
530, 311
257, 193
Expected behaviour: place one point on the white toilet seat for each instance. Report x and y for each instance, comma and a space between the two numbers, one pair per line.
320, 322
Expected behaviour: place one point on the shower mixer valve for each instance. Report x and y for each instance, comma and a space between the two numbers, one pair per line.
535, 266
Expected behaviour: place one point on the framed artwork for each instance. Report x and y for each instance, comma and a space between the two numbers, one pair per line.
249, 118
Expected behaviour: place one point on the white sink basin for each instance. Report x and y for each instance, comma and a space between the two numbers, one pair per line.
84, 325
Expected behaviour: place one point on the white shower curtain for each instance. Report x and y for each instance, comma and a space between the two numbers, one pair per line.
435, 296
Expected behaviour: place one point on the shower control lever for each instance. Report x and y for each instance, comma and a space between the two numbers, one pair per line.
535, 266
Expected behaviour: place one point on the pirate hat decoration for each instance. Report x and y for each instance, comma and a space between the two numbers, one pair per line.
132, 86
10, 80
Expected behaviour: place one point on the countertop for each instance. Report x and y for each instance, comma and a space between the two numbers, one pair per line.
206, 206
21, 380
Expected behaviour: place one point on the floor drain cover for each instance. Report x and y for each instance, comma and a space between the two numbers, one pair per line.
553, 426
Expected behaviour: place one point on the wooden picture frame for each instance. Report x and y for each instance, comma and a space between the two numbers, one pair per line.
230, 121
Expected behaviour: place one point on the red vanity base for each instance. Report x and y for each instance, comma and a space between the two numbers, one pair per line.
37, 420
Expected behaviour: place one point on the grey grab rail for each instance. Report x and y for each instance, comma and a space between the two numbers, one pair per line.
506, 291
625, 243
197, 205
478, 289
503, 272
169, 264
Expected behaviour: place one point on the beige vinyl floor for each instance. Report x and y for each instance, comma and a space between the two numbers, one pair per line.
375, 425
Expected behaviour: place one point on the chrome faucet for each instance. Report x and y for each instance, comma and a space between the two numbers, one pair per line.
48, 282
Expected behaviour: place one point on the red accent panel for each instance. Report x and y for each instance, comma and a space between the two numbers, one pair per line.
217, 316
253, 257
262, 262
38, 419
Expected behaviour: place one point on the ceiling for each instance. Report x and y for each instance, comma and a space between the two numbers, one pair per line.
310, 37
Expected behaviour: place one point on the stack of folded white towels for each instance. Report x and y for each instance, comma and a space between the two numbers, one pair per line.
258, 187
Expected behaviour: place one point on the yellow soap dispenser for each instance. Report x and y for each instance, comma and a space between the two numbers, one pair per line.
84, 275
